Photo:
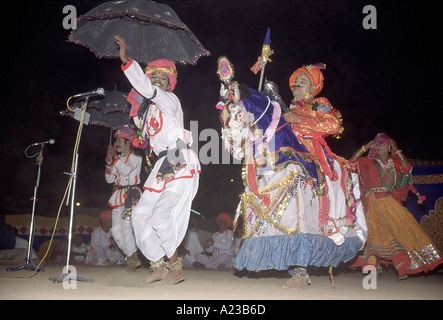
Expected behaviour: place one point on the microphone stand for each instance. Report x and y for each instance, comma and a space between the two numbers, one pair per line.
67, 273
29, 265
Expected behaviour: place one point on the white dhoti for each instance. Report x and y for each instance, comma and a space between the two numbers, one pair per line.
160, 219
122, 232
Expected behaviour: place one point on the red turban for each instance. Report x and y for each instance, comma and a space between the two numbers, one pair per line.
126, 133
226, 217
163, 65
314, 73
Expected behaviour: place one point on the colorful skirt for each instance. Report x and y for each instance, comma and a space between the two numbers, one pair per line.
394, 236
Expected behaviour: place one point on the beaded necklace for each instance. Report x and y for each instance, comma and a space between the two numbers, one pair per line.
387, 174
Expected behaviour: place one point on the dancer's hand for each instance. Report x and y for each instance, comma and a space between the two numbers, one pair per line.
369, 145
108, 159
121, 42
292, 117
110, 155
393, 145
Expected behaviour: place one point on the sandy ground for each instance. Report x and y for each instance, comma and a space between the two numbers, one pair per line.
112, 283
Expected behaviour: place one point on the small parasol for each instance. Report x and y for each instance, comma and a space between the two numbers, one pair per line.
152, 31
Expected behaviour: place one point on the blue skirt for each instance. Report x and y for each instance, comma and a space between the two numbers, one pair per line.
302, 249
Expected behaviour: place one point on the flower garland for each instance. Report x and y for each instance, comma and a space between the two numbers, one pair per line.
140, 142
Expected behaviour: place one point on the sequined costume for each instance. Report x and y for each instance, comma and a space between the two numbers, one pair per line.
280, 204
317, 120
394, 236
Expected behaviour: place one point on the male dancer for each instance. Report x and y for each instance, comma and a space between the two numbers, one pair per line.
123, 170
161, 217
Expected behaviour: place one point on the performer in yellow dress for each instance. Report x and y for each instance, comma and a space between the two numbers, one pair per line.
393, 233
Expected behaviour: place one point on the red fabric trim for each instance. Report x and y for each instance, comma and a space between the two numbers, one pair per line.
127, 157
160, 115
400, 259
252, 182
164, 185
114, 207
126, 66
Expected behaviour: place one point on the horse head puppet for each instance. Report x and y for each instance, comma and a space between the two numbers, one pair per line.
254, 130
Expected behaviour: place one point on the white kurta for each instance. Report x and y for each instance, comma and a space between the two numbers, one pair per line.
125, 172
160, 219
222, 251
82, 249
194, 246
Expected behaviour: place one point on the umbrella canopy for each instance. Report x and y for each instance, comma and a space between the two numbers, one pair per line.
152, 31
110, 110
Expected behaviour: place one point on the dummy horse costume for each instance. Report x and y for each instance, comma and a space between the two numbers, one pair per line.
281, 204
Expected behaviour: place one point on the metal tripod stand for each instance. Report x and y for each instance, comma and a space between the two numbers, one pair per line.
29, 265
66, 275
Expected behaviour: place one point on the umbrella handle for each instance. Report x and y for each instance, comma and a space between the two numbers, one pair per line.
110, 137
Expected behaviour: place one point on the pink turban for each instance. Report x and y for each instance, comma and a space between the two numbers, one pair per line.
379, 140
314, 73
166, 66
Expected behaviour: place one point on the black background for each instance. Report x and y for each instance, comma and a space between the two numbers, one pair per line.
382, 80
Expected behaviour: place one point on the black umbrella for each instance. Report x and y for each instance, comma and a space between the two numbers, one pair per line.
152, 31
110, 110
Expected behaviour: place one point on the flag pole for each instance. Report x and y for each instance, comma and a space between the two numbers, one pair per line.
263, 58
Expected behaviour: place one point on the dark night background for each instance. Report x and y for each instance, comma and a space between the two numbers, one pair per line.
383, 80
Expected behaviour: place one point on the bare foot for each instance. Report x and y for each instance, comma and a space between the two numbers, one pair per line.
157, 275
174, 277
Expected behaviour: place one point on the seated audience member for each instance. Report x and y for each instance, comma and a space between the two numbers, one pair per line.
192, 244
8, 250
103, 252
79, 250
221, 246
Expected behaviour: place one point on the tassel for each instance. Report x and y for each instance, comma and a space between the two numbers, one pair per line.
258, 65
332, 277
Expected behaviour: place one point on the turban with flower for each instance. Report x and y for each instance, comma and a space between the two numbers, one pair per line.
314, 73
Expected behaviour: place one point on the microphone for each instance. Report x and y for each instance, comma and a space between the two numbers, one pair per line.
98, 92
50, 141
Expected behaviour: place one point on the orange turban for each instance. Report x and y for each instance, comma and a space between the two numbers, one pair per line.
314, 73
226, 217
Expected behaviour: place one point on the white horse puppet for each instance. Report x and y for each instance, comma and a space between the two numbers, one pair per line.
284, 227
